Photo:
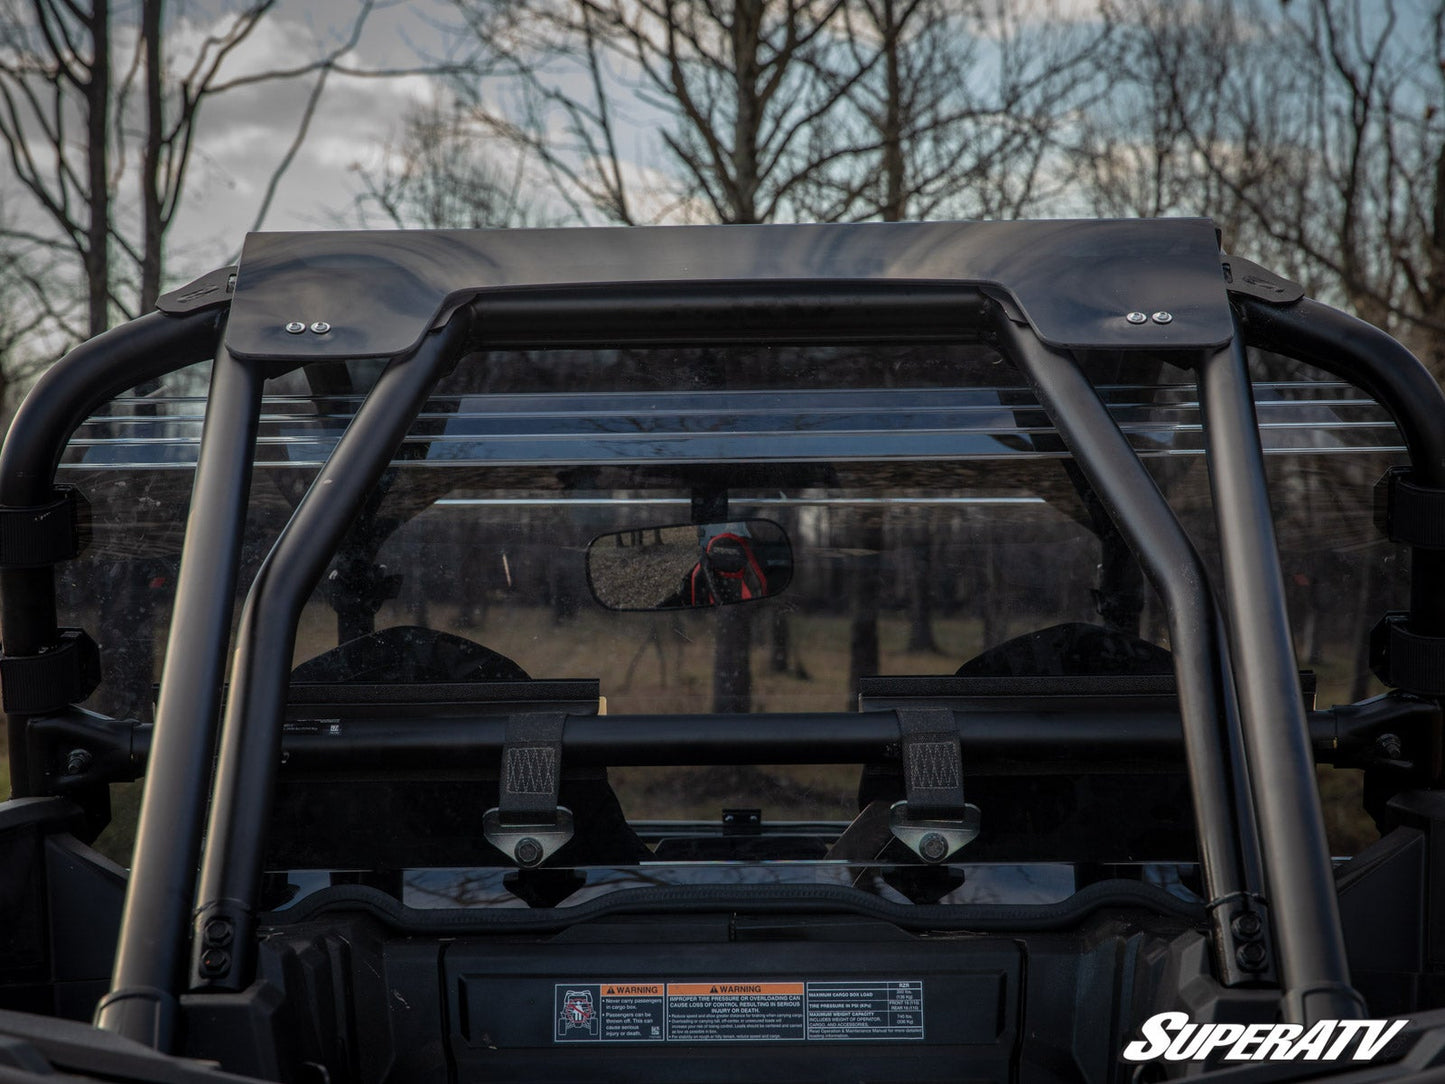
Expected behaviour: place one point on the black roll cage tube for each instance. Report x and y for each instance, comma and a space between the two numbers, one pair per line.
150, 963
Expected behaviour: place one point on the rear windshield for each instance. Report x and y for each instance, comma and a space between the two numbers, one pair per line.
934, 521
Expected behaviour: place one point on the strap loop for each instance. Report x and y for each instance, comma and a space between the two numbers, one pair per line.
39, 684
43, 535
1406, 660
1407, 512
531, 769
932, 763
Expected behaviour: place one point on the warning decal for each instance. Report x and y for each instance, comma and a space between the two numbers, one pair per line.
738, 1012
619, 1012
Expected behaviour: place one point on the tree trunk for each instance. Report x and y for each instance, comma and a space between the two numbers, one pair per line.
895, 199
863, 628
920, 590
782, 648
747, 31
150, 180
732, 676
97, 103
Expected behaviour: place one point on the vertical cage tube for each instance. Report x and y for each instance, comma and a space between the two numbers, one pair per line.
1287, 804
251, 731
151, 952
1219, 780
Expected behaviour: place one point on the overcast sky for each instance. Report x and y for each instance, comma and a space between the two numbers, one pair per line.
245, 133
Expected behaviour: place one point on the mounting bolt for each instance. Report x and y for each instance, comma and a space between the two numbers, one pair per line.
1387, 746
321, 327
1252, 957
1137, 318
528, 852
218, 933
1162, 317
295, 327
215, 963
77, 761
1247, 926
933, 847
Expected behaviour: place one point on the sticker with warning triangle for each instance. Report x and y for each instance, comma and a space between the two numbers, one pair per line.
609, 1012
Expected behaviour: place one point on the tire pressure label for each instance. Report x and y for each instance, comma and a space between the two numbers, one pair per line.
737, 1011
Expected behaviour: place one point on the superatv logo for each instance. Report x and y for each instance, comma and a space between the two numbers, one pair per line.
1170, 1035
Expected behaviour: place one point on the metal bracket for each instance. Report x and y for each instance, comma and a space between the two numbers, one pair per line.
1243, 943
1246, 277
529, 845
933, 840
211, 290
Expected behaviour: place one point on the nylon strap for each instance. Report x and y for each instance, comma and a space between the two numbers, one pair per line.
1411, 513
531, 768
1416, 663
932, 763
45, 534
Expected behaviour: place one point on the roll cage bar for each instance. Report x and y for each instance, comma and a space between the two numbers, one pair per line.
1049, 293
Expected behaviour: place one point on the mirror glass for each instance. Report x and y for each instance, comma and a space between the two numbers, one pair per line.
689, 566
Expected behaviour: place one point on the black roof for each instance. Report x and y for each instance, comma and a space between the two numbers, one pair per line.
1073, 281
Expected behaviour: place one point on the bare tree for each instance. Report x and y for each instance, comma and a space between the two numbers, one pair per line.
439, 177
956, 108
735, 94
68, 114
1313, 132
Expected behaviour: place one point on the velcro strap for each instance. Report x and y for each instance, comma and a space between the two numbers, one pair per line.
38, 684
932, 763
45, 534
1411, 513
531, 768
1407, 660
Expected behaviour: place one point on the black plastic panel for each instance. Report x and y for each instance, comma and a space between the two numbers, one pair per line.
379, 292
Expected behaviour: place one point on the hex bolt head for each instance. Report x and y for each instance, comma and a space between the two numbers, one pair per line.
77, 761
1252, 956
215, 963
1247, 926
321, 327
1137, 318
1162, 317
295, 327
218, 933
1389, 746
528, 851
933, 847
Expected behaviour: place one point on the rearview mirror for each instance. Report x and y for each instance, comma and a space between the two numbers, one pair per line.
689, 566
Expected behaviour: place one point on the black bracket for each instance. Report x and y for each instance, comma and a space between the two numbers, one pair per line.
39, 684
1246, 277
79, 748
209, 291
1406, 660
933, 820
46, 534
1243, 943
528, 823
1407, 512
